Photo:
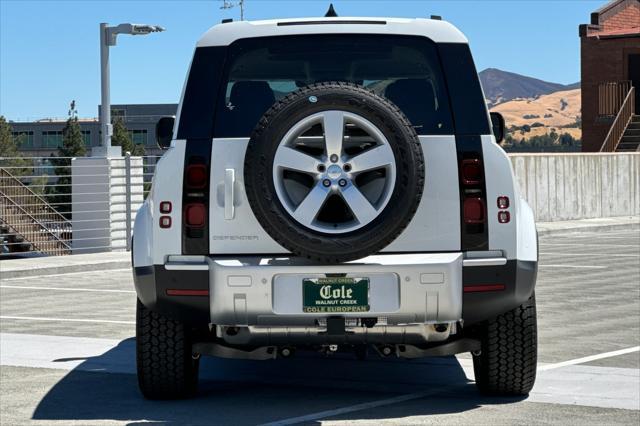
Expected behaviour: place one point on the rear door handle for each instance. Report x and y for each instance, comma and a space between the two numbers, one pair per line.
229, 183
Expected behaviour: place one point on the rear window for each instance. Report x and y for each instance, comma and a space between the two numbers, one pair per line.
404, 69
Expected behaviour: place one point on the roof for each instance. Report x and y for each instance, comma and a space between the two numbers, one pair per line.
607, 7
436, 30
616, 19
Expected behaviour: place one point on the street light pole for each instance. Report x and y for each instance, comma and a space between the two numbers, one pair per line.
108, 36
105, 110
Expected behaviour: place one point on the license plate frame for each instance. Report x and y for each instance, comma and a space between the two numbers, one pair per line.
335, 295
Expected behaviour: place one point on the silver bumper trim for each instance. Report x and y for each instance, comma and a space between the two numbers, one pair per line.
489, 261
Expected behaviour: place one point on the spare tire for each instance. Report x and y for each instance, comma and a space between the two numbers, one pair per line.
334, 172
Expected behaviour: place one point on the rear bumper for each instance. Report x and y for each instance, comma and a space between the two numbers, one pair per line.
518, 278
263, 297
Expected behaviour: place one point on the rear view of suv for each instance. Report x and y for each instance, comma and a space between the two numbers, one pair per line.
334, 184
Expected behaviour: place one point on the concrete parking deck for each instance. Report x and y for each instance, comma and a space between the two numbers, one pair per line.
67, 356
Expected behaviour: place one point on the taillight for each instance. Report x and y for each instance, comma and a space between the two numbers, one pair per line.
195, 215
196, 176
474, 210
196, 193
471, 171
473, 201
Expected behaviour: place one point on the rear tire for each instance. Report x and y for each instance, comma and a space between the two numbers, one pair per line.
166, 369
509, 352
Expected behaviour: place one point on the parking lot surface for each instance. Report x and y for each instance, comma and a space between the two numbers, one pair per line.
67, 356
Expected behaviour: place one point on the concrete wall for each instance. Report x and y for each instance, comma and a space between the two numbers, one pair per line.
579, 186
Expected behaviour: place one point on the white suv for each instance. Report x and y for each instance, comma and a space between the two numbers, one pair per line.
334, 183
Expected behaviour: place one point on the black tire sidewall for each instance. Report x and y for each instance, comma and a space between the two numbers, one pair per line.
278, 222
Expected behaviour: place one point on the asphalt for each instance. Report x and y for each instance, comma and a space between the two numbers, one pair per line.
67, 357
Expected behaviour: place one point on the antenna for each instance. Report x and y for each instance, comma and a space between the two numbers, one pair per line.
73, 113
226, 4
331, 13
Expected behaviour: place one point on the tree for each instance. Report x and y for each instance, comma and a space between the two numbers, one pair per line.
72, 146
9, 154
122, 138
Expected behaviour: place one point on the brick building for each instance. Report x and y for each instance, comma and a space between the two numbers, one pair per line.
610, 58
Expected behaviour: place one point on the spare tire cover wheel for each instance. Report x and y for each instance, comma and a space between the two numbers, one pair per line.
334, 172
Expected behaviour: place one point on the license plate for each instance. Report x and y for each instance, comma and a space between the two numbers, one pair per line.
335, 294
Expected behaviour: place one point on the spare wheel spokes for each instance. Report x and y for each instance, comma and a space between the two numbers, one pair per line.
333, 124
310, 207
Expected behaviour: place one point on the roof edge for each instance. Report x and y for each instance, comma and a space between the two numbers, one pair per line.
436, 30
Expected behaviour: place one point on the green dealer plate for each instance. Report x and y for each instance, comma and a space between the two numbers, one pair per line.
335, 294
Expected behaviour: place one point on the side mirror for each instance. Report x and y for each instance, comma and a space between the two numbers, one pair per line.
164, 131
497, 123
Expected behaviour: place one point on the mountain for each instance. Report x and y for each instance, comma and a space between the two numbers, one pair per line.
502, 86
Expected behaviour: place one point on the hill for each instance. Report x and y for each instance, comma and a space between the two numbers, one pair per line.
558, 111
502, 86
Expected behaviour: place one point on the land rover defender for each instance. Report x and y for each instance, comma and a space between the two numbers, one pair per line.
334, 184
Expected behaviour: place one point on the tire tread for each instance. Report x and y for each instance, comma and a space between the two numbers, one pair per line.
163, 356
508, 360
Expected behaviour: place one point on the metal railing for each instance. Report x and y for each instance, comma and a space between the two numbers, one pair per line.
619, 125
24, 212
63, 205
611, 96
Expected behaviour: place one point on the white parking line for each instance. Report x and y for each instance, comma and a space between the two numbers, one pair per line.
64, 275
590, 244
66, 289
358, 407
551, 253
65, 319
589, 358
604, 237
544, 265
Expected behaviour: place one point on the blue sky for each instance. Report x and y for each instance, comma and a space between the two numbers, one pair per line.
49, 49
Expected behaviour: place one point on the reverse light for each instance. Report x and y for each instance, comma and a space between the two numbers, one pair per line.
195, 215
165, 207
473, 210
165, 222
196, 176
503, 202
504, 216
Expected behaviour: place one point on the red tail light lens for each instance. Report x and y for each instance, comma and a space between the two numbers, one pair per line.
471, 171
195, 215
196, 176
473, 210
